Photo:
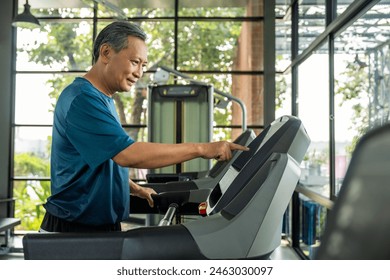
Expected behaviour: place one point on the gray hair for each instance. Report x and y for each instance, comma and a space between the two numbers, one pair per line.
115, 34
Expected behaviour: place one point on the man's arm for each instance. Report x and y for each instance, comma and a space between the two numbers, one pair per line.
155, 155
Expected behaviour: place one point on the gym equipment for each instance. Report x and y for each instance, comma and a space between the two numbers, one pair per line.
171, 112
189, 190
243, 213
162, 75
183, 181
221, 172
178, 114
358, 225
243, 139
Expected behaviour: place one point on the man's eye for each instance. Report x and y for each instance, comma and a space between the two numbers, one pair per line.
134, 62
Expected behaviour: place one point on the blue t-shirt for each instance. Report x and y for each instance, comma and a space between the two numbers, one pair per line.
87, 186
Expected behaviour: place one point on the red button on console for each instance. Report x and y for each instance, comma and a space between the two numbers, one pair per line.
202, 209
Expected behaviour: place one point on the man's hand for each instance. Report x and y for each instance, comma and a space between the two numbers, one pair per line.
142, 192
221, 150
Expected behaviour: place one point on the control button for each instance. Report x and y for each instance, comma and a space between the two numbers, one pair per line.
202, 209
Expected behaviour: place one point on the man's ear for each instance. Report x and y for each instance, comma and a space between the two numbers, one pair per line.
105, 53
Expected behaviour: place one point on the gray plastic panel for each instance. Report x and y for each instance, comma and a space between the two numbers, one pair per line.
180, 114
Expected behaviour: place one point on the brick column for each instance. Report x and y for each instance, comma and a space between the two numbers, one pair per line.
249, 56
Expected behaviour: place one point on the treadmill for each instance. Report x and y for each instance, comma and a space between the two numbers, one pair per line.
193, 192
183, 181
242, 214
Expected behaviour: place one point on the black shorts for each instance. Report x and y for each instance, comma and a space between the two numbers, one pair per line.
52, 223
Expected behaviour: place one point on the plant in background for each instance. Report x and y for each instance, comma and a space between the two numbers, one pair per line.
351, 86
31, 194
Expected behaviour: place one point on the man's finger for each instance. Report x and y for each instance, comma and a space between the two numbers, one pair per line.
150, 201
234, 146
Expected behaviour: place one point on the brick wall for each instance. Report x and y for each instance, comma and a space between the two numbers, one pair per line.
249, 56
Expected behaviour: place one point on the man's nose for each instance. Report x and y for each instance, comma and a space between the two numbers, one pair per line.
138, 72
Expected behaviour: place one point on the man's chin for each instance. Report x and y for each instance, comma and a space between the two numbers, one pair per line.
126, 88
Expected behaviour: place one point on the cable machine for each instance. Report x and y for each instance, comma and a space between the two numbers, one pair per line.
179, 113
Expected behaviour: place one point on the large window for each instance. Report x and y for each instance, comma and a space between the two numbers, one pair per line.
208, 41
313, 110
311, 21
340, 90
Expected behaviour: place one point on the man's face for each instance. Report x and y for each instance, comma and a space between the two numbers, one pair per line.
127, 66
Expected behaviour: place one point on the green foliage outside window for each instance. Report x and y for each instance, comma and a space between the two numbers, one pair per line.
352, 87
30, 194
